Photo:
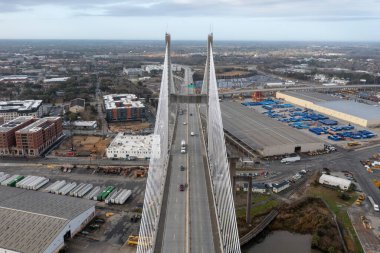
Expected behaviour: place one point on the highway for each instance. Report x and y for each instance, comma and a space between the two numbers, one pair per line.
175, 237
187, 226
337, 87
201, 229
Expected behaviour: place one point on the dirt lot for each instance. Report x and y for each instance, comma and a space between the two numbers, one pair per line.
84, 144
125, 126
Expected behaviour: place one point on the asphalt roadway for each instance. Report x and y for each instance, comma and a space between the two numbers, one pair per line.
175, 237
187, 226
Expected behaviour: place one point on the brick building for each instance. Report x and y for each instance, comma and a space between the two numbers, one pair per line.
30, 138
7, 133
123, 107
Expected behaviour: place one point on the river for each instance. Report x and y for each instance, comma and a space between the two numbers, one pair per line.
281, 241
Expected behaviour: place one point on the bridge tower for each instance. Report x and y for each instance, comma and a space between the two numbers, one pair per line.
216, 179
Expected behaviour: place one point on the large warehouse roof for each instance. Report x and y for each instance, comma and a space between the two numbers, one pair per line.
360, 110
31, 220
258, 131
314, 97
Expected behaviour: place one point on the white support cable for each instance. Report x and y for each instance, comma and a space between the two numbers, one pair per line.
157, 167
219, 168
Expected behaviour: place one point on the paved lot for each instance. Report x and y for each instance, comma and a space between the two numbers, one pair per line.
368, 237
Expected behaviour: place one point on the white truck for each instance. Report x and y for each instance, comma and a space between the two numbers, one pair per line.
183, 146
290, 159
375, 206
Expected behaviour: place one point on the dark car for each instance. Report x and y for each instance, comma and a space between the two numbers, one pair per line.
182, 168
191, 114
181, 187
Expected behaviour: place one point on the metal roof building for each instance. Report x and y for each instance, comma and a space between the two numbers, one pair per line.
267, 136
35, 222
347, 110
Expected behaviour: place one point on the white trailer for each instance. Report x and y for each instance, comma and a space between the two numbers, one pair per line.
60, 185
34, 182
4, 177
69, 188
375, 206
93, 193
111, 196
84, 191
50, 187
22, 182
290, 159
124, 197
40, 184
31, 182
117, 193
76, 189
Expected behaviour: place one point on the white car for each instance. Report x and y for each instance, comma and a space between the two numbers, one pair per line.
192, 133
184, 123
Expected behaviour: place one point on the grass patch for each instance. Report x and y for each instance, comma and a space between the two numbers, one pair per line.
338, 207
258, 210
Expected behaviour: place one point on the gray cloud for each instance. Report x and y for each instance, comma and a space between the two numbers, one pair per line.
297, 10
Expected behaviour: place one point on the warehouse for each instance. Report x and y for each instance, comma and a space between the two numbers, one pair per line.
125, 146
37, 222
342, 183
347, 110
267, 136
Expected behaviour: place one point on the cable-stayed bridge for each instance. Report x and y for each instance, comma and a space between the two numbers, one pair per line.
188, 205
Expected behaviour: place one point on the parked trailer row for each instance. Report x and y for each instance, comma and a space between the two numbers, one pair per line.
108, 194
112, 196
56, 186
84, 191
32, 182
123, 196
92, 193
67, 188
6, 181
76, 189
104, 194
4, 177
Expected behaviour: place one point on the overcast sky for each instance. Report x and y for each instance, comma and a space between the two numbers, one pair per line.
323, 20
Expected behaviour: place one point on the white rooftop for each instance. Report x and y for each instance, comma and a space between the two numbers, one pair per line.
360, 110
20, 105
56, 79
126, 101
123, 141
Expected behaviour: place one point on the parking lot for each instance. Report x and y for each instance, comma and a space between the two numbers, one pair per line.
328, 129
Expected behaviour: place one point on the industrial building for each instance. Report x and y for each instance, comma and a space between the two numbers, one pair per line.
29, 136
10, 110
123, 107
342, 183
280, 186
347, 110
267, 136
84, 125
38, 222
124, 146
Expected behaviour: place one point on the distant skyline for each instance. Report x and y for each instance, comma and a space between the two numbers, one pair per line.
278, 20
